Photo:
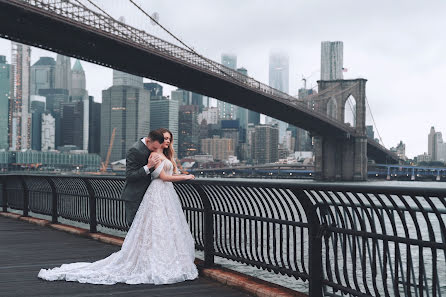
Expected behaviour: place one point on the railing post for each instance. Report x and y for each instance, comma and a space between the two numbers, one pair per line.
92, 202
4, 195
208, 227
25, 197
53, 199
314, 244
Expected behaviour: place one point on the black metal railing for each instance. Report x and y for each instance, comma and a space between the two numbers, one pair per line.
354, 240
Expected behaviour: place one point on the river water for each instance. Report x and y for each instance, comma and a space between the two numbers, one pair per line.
289, 281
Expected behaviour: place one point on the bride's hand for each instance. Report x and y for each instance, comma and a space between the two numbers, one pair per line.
189, 176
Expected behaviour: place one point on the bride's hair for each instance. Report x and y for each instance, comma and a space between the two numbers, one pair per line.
169, 152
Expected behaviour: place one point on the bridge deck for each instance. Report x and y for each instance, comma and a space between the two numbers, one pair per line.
25, 248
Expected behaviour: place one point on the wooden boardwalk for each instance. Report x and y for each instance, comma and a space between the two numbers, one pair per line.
26, 248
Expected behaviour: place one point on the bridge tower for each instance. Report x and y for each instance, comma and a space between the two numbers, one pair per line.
342, 157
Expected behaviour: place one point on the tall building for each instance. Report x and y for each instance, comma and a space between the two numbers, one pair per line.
55, 98
436, 146
126, 108
210, 115
332, 55
266, 144
43, 75
37, 109
431, 147
188, 131
279, 79
226, 110
48, 132
80, 94
182, 96
63, 73
219, 148
125, 79
94, 123
164, 113
229, 60
5, 85
20, 118
72, 124
230, 129
156, 90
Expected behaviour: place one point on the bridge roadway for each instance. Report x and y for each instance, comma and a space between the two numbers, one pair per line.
25, 248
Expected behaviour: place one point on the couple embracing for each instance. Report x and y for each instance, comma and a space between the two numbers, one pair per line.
158, 248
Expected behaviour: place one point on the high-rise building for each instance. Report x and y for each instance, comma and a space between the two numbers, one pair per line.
279, 79
80, 94
332, 55
210, 115
127, 109
431, 147
63, 73
219, 148
436, 146
48, 132
37, 109
72, 124
94, 138
227, 111
182, 96
156, 90
164, 113
229, 60
125, 79
230, 129
266, 144
55, 98
5, 85
188, 131
20, 118
43, 75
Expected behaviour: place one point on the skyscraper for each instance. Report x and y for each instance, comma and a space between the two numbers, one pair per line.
332, 55
72, 124
182, 96
37, 109
126, 108
55, 98
48, 132
279, 79
164, 114
226, 110
80, 94
156, 90
94, 138
5, 84
229, 60
43, 75
188, 131
20, 119
125, 79
266, 142
63, 73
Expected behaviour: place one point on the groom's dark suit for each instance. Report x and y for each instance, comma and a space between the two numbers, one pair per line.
136, 179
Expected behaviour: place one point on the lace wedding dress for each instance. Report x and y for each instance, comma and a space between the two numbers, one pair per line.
158, 248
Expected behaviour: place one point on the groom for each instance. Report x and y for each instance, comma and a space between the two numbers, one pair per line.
139, 166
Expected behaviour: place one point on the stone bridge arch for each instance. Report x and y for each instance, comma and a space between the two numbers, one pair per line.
342, 158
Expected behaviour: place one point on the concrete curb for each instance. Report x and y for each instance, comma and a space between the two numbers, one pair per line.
246, 283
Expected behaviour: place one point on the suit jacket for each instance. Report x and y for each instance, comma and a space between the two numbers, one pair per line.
136, 179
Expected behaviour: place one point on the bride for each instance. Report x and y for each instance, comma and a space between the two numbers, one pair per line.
158, 248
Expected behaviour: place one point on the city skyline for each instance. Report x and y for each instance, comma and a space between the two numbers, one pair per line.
391, 59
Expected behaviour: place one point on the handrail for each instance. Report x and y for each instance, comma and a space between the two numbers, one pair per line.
357, 239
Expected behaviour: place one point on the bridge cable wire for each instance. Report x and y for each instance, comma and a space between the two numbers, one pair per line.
374, 123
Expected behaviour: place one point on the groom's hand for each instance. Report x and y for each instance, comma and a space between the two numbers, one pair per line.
153, 161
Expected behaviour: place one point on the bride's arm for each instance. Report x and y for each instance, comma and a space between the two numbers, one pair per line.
175, 178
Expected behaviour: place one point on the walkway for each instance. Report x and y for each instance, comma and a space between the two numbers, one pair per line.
25, 248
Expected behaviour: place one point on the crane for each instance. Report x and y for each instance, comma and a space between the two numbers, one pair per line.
104, 165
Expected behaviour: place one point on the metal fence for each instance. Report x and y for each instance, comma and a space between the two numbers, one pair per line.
341, 240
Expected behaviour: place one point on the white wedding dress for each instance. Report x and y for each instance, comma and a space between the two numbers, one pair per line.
158, 248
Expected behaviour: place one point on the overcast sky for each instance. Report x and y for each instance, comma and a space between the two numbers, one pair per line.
398, 46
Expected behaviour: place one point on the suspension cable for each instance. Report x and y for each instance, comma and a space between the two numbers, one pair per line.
374, 123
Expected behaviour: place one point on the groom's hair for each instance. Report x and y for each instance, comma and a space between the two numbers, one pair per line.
156, 135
